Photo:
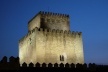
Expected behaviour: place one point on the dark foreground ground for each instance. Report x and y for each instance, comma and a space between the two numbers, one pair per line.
14, 66
54, 70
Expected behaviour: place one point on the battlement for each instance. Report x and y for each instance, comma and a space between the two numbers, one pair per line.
43, 13
49, 20
59, 31
13, 64
55, 14
49, 40
54, 32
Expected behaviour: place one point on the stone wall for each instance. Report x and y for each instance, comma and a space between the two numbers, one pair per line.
48, 20
27, 47
35, 22
48, 45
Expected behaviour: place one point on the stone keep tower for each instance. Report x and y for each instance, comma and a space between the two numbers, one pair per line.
49, 40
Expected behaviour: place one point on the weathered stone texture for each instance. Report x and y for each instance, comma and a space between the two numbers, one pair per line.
34, 23
48, 39
47, 47
49, 21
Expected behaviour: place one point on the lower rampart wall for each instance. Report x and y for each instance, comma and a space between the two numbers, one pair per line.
48, 45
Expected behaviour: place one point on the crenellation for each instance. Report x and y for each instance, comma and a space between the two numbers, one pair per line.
69, 32
64, 15
61, 31
48, 13
33, 30
53, 31
80, 34
76, 34
53, 14
50, 33
60, 15
41, 29
45, 31
49, 30
68, 35
55, 19
40, 12
45, 13
28, 34
36, 28
73, 33
65, 32
57, 14
67, 16
57, 31
48, 38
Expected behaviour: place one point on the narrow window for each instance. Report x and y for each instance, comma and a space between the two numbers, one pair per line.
61, 58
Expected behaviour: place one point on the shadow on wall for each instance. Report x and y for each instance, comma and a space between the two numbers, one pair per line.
13, 64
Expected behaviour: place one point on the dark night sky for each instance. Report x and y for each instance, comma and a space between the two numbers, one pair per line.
88, 16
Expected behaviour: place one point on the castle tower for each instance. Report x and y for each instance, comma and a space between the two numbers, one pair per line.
49, 40
48, 20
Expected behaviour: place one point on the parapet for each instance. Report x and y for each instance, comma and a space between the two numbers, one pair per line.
55, 14
28, 34
43, 13
53, 31
49, 20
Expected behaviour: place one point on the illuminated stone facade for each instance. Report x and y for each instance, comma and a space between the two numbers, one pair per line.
50, 40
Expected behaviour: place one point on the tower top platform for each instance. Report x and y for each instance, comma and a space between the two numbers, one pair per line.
49, 20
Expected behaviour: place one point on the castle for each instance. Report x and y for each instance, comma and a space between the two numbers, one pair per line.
49, 40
